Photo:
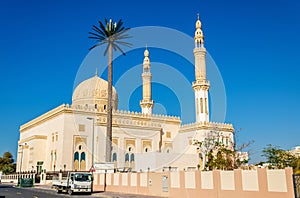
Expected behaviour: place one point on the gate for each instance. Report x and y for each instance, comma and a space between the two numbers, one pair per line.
165, 183
296, 179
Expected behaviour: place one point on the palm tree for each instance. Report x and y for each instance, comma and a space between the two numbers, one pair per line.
110, 34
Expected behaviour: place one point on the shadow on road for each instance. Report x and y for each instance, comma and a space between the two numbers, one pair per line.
6, 186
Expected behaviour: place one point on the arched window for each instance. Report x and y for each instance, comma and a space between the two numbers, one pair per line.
126, 157
82, 165
76, 156
82, 156
115, 157
132, 157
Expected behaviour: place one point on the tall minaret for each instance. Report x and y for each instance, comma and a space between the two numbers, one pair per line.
201, 85
147, 102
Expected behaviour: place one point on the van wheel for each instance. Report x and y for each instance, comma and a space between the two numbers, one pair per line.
70, 192
58, 191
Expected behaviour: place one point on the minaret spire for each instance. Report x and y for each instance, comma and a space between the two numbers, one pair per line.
201, 85
96, 73
147, 102
199, 37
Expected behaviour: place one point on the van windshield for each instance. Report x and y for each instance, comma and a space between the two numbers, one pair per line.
83, 177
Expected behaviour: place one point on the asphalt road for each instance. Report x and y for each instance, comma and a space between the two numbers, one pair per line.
10, 191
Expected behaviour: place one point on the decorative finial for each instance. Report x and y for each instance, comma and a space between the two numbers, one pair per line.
96, 74
198, 16
146, 52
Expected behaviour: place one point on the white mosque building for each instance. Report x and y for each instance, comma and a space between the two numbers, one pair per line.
73, 137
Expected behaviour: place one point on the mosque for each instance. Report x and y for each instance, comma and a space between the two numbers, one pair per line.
73, 137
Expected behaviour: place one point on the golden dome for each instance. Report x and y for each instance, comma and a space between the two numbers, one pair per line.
92, 93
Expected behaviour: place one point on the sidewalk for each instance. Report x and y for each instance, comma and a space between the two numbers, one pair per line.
121, 195
101, 194
43, 186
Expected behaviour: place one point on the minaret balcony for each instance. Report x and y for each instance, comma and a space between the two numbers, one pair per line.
146, 101
201, 84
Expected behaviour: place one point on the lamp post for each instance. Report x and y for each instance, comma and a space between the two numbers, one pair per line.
92, 168
89, 118
22, 146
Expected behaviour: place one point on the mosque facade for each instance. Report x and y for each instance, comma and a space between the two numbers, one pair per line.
73, 137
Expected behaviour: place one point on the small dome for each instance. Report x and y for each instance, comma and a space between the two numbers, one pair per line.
93, 93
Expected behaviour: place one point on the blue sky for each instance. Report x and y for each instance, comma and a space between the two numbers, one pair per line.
255, 45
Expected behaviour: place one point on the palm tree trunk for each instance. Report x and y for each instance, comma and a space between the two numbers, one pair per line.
109, 108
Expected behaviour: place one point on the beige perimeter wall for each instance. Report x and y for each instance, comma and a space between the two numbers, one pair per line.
261, 183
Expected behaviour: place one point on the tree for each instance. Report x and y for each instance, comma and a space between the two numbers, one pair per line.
111, 34
7, 164
217, 155
278, 158
207, 146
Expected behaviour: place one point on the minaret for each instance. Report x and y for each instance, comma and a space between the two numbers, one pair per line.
147, 102
201, 85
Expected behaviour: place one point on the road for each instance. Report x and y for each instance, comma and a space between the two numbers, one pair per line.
10, 191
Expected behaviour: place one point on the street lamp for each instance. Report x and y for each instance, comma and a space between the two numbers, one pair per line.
89, 118
22, 146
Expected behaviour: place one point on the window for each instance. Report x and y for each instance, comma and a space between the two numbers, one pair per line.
76, 160
126, 157
114, 157
168, 134
82, 156
129, 149
132, 157
206, 106
56, 137
197, 105
52, 138
201, 104
96, 106
146, 150
81, 127
39, 166
79, 147
104, 107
